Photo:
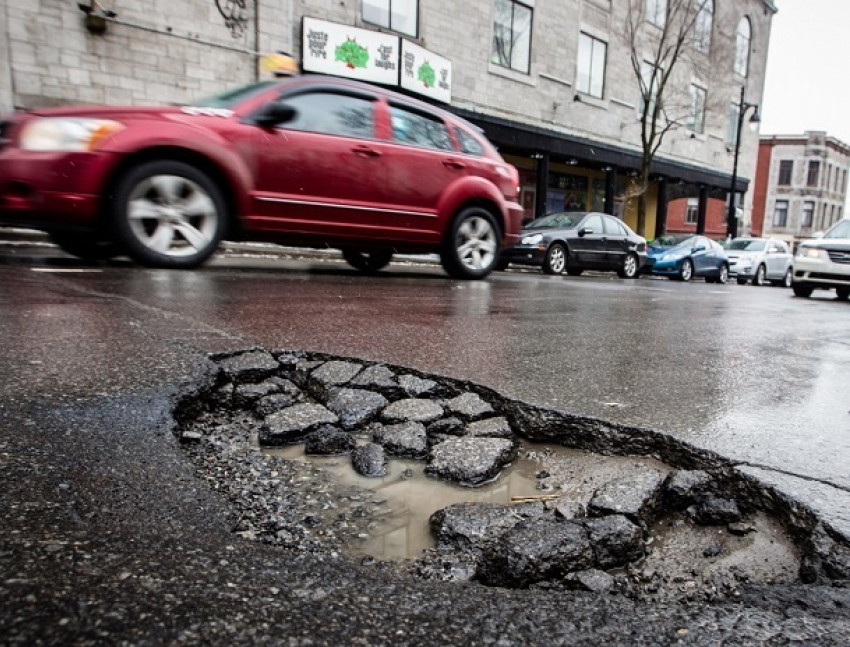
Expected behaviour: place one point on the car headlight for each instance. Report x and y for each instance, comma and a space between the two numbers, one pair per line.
67, 134
532, 240
813, 252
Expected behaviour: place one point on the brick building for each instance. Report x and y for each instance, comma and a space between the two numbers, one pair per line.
551, 83
801, 185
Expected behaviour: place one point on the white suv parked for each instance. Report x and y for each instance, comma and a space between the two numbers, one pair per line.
760, 260
824, 263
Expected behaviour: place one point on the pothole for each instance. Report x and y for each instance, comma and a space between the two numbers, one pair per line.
451, 481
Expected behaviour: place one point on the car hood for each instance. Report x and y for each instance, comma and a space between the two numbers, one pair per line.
658, 252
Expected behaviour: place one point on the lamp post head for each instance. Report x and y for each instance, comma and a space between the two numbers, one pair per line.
755, 120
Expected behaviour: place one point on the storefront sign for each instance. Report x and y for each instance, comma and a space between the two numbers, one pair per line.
425, 72
330, 48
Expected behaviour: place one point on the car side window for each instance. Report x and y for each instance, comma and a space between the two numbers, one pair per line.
468, 143
613, 228
419, 130
332, 114
594, 223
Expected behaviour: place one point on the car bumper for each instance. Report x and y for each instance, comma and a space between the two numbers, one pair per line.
820, 273
51, 190
525, 255
662, 268
745, 271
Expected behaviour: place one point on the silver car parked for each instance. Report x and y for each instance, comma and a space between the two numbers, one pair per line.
760, 260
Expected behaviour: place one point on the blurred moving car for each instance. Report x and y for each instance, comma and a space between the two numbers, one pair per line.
824, 264
684, 256
760, 260
312, 161
574, 241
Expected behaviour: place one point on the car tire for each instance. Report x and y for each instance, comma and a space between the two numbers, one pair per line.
556, 259
803, 291
686, 272
85, 246
758, 277
723, 278
842, 293
367, 261
168, 214
471, 247
741, 281
574, 271
788, 279
629, 270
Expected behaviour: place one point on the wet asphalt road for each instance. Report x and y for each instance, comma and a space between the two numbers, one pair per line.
752, 373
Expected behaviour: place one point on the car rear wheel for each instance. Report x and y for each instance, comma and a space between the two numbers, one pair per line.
85, 246
168, 214
686, 272
802, 291
471, 248
629, 270
758, 278
724, 275
556, 259
843, 293
367, 261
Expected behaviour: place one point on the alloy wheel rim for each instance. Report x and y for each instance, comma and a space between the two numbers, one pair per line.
477, 243
172, 215
686, 271
631, 266
558, 260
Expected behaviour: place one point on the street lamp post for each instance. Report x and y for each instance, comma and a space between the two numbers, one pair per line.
743, 106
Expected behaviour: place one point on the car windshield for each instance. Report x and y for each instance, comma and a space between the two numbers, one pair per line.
747, 244
560, 220
675, 240
228, 100
840, 230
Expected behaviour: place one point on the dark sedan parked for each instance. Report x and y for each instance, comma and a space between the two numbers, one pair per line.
578, 241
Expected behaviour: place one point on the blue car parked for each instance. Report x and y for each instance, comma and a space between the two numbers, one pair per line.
684, 256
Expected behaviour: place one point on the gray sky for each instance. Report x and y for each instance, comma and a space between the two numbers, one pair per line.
808, 87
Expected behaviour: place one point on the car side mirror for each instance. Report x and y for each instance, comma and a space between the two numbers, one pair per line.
584, 231
273, 114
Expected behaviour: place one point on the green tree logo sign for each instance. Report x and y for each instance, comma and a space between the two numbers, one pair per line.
427, 75
352, 54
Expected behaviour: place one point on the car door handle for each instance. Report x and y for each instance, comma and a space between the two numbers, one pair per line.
453, 163
365, 151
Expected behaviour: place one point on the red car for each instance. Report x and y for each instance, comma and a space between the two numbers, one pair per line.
310, 161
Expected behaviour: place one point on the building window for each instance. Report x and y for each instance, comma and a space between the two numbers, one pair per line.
590, 78
696, 118
786, 172
650, 80
512, 35
656, 12
692, 213
732, 128
780, 214
399, 15
703, 25
808, 214
742, 46
843, 181
814, 173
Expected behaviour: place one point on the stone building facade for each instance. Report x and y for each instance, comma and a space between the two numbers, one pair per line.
801, 185
562, 103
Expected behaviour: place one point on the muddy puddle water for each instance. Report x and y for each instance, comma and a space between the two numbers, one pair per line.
412, 497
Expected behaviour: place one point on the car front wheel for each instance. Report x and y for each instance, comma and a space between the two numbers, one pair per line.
556, 259
787, 279
471, 248
686, 272
629, 270
724, 275
802, 291
367, 261
758, 279
168, 214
